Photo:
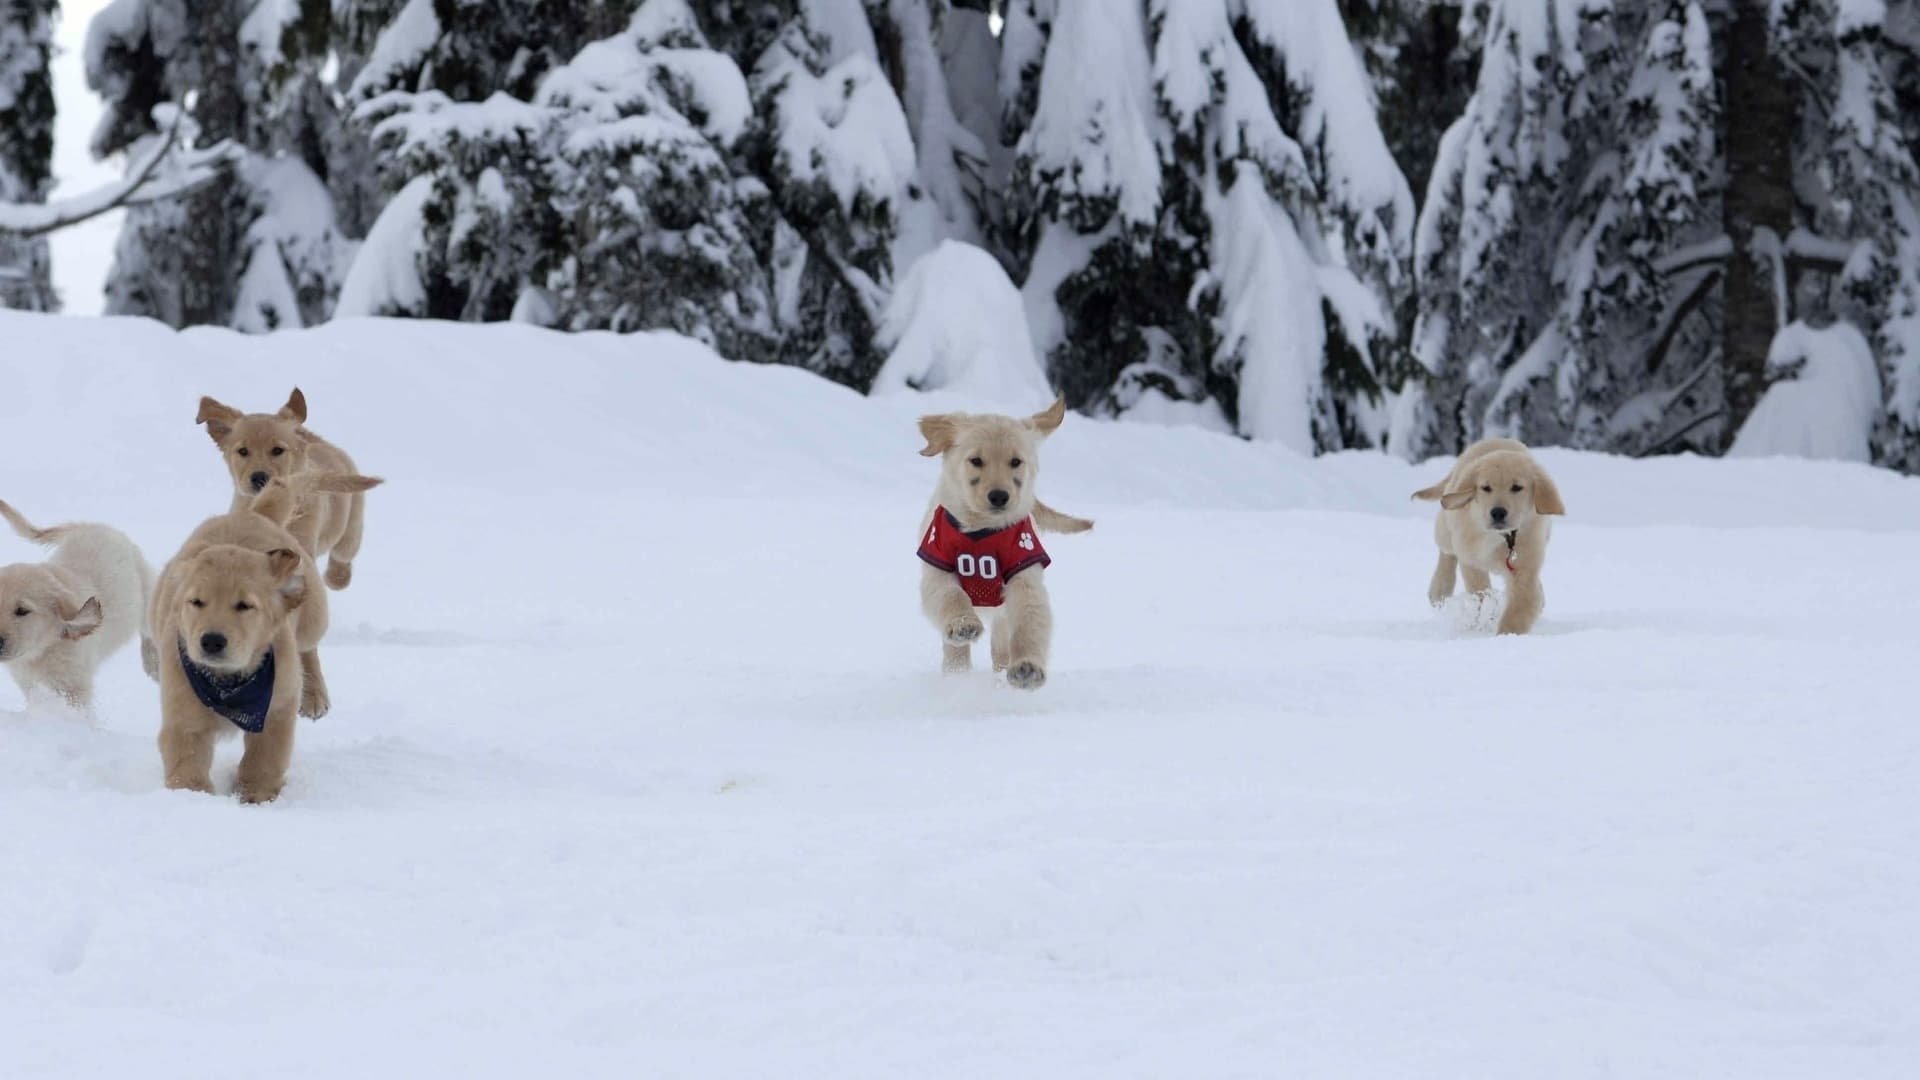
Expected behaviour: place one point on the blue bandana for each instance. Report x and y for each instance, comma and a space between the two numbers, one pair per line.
240, 699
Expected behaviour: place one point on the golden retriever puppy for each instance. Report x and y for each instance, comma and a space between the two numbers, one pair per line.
260, 448
60, 619
1494, 520
980, 541
231, 613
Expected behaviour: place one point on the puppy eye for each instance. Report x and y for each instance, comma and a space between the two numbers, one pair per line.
21, 613
1015, 463
975, 462
1516, 487
243, 606
1486, 487
242, 451
278, 450
198, 603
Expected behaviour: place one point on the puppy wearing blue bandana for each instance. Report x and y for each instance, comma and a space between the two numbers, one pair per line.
237, 619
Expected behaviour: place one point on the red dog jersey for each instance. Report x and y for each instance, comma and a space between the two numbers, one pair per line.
984, 561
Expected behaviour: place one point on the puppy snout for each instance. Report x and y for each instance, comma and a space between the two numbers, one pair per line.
258, 480
213, 644
1499, 514
998, 497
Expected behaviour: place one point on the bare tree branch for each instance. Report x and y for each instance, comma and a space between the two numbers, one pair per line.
146, 182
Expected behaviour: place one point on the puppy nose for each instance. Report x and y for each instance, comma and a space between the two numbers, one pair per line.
1499, 513
213, 644
997, 497
259, 480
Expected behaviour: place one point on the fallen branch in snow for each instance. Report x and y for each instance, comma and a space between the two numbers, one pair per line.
146, 182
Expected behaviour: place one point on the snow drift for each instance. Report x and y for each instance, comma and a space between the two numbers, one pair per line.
639, 763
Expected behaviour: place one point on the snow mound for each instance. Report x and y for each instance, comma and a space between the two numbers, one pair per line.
956, 322
1824, 399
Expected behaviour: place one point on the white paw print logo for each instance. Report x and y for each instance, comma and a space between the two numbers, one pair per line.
1026, 541
933, 532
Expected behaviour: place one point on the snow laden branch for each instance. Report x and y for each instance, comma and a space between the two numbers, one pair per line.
167, 168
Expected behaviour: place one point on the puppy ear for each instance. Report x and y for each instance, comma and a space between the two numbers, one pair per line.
1546, 497
1432, 494
296, 407
1046, 422
1454, 500
941, 432
284, 565
82, 622
218, 418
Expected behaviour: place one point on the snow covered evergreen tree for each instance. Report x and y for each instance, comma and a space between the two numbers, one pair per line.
1853, 252
261, 248
1571, 237
1421, 57
1206, 211
752, 173
26, 146
1650, 214
608, 201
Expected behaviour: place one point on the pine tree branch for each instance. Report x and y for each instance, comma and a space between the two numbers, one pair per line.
1667, 444
1680, 260
145, 183
1657, 356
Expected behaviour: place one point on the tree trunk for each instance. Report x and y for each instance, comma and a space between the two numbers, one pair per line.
211, 239
1760, 117
26, 149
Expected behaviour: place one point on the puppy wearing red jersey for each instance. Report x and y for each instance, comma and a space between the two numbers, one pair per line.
980, 541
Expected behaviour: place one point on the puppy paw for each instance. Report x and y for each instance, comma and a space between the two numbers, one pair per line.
314, 702
254, 792
339, 574
201, 784
1026, 675
964, 630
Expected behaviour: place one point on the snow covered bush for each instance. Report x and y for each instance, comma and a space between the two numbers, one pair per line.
609, 201
1823, 399
956, 322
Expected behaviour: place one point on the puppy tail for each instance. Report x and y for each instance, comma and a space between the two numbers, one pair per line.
1051, 520
27, 530
282, 497
341, 483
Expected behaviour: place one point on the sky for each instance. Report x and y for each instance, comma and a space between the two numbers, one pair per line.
82, 254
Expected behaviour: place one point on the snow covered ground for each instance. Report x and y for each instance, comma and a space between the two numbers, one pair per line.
639, 762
